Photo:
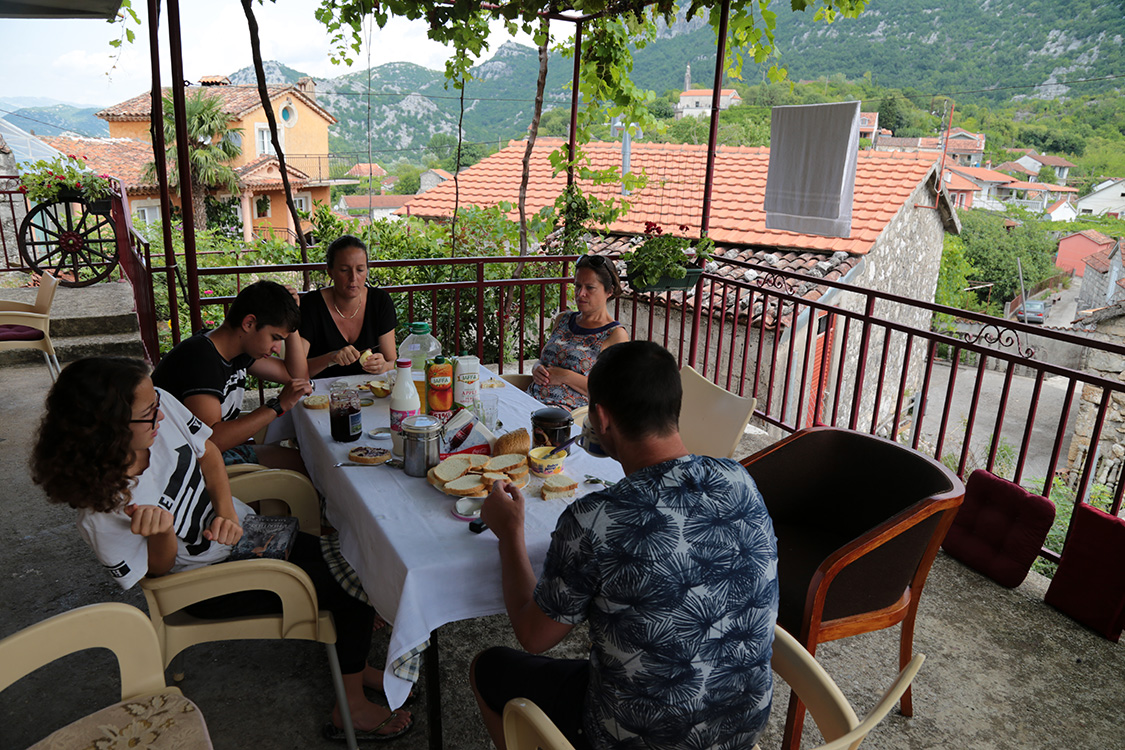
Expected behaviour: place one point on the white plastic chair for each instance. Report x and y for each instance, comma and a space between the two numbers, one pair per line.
712, 420
24, 326
126, 632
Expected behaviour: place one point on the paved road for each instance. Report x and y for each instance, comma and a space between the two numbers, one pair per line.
1065, 309
1044, 427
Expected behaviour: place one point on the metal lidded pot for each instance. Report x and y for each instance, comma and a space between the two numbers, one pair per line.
421, 439
550, 426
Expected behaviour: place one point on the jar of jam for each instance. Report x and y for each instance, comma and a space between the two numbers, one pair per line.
344, 416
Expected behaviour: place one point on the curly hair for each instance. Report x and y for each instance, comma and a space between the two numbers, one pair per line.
82, 451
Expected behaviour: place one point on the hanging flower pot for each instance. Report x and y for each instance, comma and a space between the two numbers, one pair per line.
664, 262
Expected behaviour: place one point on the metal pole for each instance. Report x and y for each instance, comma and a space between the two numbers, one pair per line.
156, 124
183, 163
712, 148
573, 144
1023, 293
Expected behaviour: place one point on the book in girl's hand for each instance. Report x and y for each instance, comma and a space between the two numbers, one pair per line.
265, 537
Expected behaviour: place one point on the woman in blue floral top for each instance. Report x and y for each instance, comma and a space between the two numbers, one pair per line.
579, 337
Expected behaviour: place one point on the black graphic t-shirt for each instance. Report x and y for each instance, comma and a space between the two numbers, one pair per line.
173, 481
195, 366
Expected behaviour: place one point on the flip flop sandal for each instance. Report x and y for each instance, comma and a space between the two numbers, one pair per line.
333, 732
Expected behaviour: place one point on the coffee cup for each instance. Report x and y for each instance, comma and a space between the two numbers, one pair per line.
589, 441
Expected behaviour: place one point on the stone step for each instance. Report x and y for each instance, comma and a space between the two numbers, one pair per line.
99, 309
70, 348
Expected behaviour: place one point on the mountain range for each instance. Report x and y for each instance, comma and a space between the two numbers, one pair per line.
979, 50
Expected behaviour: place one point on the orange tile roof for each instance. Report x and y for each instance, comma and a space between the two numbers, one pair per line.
376, 201
123, 158
265, 172
1095, 236
674, 194
1014, 166
982, 174
1056, 205
1051, 161
707, 92
1041, 186
238, 101
366, 170
1099, 261
954, 181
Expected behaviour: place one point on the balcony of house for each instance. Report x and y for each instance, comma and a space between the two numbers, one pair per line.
1038, 407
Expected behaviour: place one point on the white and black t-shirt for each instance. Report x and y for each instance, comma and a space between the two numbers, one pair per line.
173, 481
195, 366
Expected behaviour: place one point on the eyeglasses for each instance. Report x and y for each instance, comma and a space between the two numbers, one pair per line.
151, 421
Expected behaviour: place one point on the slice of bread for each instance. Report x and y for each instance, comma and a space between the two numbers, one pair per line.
465, 486
365, 454
560, 483
562, 495
518, 474
478, 460
521, 481
491, 477
316, 402
432, 479
507, 462
451, 468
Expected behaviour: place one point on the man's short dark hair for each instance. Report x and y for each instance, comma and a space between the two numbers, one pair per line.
638, 383
269, 302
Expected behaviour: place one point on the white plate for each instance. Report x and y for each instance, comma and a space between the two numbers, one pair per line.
468, 508
380, 433
352, 381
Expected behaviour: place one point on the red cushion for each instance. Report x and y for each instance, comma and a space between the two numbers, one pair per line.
20, 333
999, 529
1090, 582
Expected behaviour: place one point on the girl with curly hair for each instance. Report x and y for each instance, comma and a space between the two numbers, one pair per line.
153, 497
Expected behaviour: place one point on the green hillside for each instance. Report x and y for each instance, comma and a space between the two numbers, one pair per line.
58, 119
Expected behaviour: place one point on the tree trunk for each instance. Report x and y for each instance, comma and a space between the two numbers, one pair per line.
198, 204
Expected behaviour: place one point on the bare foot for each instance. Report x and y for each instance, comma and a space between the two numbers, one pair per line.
372, 678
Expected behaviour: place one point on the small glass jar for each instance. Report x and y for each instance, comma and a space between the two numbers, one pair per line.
344, 417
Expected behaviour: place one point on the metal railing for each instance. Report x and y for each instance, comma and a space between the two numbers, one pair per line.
846, 359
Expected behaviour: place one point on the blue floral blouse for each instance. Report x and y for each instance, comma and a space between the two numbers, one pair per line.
573, 348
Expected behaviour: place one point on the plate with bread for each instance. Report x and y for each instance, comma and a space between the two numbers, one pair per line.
469, 478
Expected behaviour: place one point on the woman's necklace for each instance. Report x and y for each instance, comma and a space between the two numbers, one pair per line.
347, 317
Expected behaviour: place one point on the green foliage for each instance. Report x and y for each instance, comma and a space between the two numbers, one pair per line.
954, 276
222, 216
1100, 496
1048, 176
664, 255
442, 151
43, 180
992, 251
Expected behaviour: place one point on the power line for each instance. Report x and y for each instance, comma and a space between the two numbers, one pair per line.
48, 124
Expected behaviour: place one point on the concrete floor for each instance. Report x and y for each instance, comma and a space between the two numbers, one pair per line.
1003, 669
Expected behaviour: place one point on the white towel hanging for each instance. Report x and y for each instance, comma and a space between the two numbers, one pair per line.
813, 149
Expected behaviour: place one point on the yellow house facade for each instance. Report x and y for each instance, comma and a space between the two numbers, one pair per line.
302, 131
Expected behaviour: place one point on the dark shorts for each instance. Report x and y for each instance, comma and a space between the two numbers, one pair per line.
240, 454
557, 686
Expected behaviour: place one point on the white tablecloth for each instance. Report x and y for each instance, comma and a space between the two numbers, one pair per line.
420, 566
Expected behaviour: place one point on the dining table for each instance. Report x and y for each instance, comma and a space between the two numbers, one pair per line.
420, 566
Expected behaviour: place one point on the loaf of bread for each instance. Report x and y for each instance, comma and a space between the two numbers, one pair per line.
517, 441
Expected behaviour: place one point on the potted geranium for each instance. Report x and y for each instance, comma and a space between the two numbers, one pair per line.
664, 262
66, 178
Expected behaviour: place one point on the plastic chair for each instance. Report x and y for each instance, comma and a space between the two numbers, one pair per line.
858, 520
24, 326
234, 470
526, 727
300, 618
831, 711
579, 416
519, 380
279, 492
712, 419
126, 632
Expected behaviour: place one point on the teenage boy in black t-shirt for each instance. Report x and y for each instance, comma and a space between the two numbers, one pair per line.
207, 373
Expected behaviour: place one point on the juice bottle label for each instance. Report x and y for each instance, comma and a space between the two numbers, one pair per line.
439, 386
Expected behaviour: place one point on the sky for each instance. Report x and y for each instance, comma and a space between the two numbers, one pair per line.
69, 60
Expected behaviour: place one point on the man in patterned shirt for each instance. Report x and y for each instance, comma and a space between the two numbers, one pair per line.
674, 568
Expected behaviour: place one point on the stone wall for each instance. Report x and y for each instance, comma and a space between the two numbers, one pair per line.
1110, 448
11, 211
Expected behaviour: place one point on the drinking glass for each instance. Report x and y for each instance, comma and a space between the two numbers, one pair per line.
489, 410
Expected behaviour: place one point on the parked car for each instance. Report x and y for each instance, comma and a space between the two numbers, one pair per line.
1033, 311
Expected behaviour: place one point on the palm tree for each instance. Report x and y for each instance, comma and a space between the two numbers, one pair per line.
209, 149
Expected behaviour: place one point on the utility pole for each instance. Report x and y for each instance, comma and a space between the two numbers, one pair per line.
1023, 294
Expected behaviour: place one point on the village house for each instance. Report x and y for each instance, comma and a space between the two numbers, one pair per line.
869, 125
302, 130
1103, 281
1061, 210
1075, 248
962, 147
1108, 325
431, 178
1035, 162
697, 102
988, 182
1106, 199
899, 220
374, 207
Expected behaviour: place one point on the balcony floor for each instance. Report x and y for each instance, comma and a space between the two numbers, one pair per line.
1003, 670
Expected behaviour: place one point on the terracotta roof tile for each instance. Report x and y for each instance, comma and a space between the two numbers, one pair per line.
1014, 166
376, 201
123, 158
238, 101
1096, 236
1099, 261
366, 170
674, 194
981, 174
1051, 161
1041, 186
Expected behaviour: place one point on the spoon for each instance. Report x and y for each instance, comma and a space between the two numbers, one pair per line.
394, 463
564, 445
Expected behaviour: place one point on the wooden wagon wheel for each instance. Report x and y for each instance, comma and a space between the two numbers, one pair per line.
77, 244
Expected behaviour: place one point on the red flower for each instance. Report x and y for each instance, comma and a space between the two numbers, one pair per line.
77, 185
85, 158
684, 227
23, 188
71, 156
